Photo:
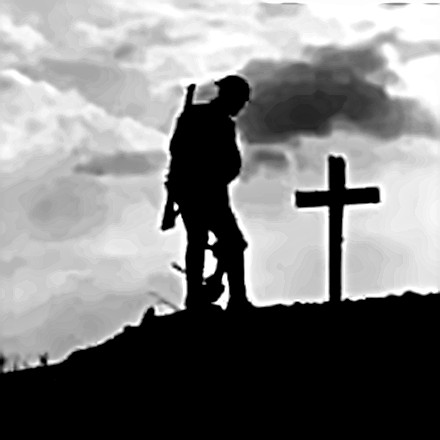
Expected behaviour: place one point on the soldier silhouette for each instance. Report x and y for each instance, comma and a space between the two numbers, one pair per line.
204, 160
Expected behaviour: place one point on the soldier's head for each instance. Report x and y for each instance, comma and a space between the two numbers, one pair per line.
234, 93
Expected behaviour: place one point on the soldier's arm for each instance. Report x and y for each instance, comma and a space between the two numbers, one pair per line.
233, 157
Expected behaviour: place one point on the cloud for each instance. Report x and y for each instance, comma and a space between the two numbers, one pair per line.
18, 41
406, 50
125, 51
6, 84
120, 91
134, 38
54, 18
273, 159
29, 124
287, 256
394, 5
9, 266
160, 32
38, 120
64, 209
254, 160
123, 164
278, 10
333, 90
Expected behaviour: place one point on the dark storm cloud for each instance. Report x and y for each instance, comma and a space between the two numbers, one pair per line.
360, 60
335, 85
123, 164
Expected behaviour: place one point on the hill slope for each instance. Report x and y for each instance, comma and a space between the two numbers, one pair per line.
279, 341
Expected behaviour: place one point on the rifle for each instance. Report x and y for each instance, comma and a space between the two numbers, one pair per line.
170, 214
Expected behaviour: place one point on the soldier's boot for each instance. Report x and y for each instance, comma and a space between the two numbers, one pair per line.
238, 300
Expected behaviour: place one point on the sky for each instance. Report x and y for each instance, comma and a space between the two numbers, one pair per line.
89, 94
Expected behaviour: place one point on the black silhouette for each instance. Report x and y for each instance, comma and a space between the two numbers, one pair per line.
336, 198
184, 353
212, 286
44, 359
204, 160
2, 362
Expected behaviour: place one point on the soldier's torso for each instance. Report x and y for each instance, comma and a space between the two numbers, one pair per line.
203, 148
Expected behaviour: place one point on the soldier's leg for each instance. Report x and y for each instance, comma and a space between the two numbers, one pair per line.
232, 245
197, 239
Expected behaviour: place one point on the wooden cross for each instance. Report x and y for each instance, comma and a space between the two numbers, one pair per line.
336, 198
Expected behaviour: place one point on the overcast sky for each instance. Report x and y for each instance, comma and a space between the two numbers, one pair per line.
89, 92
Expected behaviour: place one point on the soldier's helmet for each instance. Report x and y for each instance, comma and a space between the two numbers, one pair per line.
234, 86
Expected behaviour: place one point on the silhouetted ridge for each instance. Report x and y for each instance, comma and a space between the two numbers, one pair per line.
199, 346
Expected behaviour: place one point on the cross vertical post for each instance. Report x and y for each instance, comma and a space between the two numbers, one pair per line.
336, 218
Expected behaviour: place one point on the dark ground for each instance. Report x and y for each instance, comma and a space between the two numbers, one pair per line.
279, 345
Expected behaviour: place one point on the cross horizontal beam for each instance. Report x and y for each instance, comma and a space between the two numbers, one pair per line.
312, 199
352, 196
357, 196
